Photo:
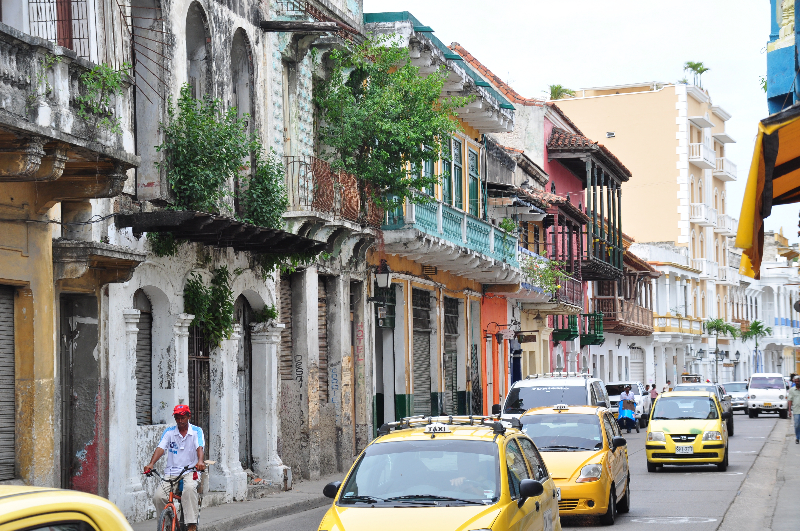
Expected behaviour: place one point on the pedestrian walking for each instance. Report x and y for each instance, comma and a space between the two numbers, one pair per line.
627, 405
669, 385
653, 392
794, 408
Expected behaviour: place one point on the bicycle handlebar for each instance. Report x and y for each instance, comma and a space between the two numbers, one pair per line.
176, 479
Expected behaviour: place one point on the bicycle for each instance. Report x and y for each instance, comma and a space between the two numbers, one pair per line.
169, 519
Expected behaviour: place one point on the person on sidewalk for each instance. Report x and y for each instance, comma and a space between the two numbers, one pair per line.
627, 405
794, 408
653, 392
185, 446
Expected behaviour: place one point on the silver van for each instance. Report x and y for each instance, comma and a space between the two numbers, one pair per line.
541, 390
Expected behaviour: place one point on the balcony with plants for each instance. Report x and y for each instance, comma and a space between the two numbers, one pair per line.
226, 189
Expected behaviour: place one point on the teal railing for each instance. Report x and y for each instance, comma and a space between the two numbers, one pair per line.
481, 237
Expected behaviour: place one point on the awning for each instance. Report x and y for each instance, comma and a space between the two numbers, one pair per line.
219, 231
774, 179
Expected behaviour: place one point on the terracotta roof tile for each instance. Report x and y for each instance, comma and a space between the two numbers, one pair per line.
512, 95
561, 201
564, 140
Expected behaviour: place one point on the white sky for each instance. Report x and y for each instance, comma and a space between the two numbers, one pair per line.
586, 43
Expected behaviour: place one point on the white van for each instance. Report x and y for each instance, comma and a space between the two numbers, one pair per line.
541, 390
767, 393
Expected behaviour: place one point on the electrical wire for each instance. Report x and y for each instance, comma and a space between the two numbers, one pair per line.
94, 219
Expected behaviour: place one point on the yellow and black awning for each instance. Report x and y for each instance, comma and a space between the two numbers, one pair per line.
774, 179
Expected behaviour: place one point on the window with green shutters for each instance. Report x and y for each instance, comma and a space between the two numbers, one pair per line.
458, 175
447, 177
427, 172
474, 183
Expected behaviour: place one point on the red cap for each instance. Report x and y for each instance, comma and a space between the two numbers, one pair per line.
181, 409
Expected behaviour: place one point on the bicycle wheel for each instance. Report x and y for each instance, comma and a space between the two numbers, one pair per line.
166, 521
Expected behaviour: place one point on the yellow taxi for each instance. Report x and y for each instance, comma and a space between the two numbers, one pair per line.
687, 428
35, 508
587, 457
446, 473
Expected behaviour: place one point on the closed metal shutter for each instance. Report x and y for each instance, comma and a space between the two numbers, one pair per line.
144, 370
7, 403
286, 363
450, 366
322, 324
421, 303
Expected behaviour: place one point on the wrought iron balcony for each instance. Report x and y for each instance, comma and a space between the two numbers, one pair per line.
702, 156
317, 191
726, 225
437, 234
725, 169
592, 329
703, 215
624, 316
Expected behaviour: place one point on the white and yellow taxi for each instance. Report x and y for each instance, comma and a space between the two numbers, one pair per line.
446, 473
687, 428
587, 458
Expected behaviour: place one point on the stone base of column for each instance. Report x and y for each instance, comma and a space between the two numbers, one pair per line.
232, 483
277, 474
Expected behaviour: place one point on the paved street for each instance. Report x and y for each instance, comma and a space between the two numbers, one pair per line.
692, 498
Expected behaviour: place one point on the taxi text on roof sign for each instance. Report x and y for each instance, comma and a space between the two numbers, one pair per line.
437, 428
561, 407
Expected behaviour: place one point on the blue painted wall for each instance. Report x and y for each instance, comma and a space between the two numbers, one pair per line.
783, 83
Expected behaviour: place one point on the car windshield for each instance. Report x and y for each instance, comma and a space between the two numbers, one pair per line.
559, 432
695, 387
521, 399
425, 472
736, 387
618, 389
685, 407
773, 382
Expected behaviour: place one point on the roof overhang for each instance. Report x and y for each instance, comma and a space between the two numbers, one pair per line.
701, 121
724, 138
721, 113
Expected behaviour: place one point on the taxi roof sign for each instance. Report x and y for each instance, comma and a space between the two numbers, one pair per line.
561, 407
437, 427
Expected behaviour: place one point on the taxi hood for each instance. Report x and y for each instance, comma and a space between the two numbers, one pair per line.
563, 465
365, 518
685, 426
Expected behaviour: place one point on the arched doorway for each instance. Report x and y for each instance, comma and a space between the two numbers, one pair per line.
198, 51
245, 316
144, 359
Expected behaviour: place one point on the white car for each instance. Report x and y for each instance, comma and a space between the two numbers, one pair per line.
767, 393
642, 412
541, 390
738, 392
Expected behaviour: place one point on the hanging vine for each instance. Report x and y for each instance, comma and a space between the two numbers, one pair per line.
212, 305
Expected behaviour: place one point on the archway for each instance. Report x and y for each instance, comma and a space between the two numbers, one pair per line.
241, 90
245, 316
198, 51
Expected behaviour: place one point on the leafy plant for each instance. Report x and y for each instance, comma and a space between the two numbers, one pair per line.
763, 82
263, 193
508, 225
205, 146
99, 84
717, 327
697, 69
164, 243
559, 92
269, 313
212, 306
381, 120
757, 331
269, 263
43, 87
545, 274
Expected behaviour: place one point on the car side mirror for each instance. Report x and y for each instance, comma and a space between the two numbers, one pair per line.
617, 442
726, 415
496, 410
727, 397
529, 488
331, 489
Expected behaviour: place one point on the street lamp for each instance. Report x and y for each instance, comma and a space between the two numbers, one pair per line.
383, 275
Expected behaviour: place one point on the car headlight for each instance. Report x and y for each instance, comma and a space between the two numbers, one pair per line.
590, 473
751, 396
656, 436
712, 436
780, 397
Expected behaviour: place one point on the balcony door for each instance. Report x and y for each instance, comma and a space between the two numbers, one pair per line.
421, 385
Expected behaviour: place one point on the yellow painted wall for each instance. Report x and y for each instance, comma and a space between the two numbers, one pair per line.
646, 143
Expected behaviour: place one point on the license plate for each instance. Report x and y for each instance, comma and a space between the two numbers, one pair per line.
767, 404
558, 493
684, 449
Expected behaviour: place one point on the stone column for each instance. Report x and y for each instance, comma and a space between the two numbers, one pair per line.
122, 379
227, 474
265, 338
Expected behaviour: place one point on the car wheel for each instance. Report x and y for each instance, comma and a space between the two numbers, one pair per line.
723, 466
652, 467
611, 513
783, 414
625, 503
730, 428
641, 422
746, 411
754, 414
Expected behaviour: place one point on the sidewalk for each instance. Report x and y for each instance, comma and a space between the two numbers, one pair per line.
232, 516
768, 496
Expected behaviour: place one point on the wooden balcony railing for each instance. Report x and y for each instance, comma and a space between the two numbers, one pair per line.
314, 186
744, 324
624, 316
570, 292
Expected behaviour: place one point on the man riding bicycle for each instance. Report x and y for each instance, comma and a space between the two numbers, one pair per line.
184, 444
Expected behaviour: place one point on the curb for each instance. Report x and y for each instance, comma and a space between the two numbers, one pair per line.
252, 518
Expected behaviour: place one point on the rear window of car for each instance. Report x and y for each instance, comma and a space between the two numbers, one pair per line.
521, 399
740, 387
695, 387
618, 389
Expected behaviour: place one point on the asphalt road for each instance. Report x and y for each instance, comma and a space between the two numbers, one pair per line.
680, 498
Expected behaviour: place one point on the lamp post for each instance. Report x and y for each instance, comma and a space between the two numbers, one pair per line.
383, 275
736, 363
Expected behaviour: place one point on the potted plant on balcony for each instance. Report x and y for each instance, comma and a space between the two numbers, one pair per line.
548, 275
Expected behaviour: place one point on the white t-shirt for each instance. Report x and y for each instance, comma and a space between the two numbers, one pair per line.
181, 451
627, 396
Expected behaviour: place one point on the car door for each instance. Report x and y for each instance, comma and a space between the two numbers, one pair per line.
549, 499
529, 516
724, 399
615, 458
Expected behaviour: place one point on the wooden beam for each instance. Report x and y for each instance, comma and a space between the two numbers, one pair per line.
298, 26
